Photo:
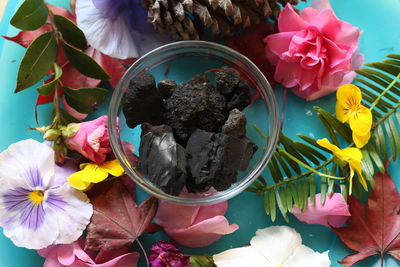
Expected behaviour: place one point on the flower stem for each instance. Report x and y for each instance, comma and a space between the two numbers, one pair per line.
387, 115
143, 250
385, 91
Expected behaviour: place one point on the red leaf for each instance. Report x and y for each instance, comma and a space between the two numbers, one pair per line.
117, 221
25, 38
251, 44
373, 228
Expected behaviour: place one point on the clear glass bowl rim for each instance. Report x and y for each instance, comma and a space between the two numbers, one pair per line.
196, 46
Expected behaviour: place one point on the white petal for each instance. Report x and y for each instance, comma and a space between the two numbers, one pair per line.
239, 257
147, 42
111, 37
276, 243
24, 156
72, 221
306, 257
27, 238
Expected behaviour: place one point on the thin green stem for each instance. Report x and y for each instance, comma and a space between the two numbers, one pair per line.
387, 115
260, 132
385, 91
308, 167
299, 176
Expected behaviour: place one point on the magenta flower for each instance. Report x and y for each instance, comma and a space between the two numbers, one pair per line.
334, 212
314, 52
91, 140
37, 207
194, 226
73, 255
164, 254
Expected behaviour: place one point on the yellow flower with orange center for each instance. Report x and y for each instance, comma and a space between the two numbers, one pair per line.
352, 156
349, 109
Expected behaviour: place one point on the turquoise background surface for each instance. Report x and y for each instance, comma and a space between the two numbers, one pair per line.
379, 21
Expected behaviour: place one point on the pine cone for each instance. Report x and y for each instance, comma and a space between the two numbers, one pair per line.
188, 19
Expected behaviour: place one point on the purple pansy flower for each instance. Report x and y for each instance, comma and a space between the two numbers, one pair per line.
117, 28
37, 207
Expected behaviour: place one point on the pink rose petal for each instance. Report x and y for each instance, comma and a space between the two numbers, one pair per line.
194, 226
290, 21
334, 213
203, 233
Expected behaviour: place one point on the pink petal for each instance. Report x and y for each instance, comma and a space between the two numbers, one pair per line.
65, 254
278, 43
203, 233
45, 252
80, 253
208, 212
308, 14
51, 260
290, 21
327, 22
285, 73
334, 213
171, 215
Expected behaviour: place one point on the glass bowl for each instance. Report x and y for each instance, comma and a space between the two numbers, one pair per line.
181, 61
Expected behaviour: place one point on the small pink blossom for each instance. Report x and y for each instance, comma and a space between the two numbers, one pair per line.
314, 52
72, 255
91, 140
194, 226
334, 212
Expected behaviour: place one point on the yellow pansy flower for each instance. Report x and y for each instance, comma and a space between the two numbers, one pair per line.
349, 109
94, 173
352, 156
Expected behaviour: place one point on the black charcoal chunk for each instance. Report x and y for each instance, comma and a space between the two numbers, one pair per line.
214, 159
195, 104
250, 149
241, 97
166, 87
227, 79
143, 102
161, 159
235, 125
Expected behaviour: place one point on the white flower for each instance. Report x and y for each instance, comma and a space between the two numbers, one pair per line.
114, 36
275, 246
37, 207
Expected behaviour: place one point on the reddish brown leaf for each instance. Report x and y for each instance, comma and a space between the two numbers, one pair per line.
251, 44
25, 38
117, 221
373, 228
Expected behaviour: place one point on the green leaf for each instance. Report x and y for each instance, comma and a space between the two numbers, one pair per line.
84, 100
47, 89
380, 134
267, 206
83, 63
272, 203
291, 162
282, 204
391, 137
283, 164
395, 135
293, 191
340, 128
37, 61
289, 199
313, 142
31, 15
323, 190
66, 118
375, 157
343, 189
70, 32
313, 188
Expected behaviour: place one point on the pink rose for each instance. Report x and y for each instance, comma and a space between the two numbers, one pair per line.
91, 140
194, 226
314, 52
72, 255
334, 212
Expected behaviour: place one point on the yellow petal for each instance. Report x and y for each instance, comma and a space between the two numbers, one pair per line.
342, 114
361, 121
356, 165
350, 153
112, 167
326, 144
348, 95
76, 181
93, 175
361, 141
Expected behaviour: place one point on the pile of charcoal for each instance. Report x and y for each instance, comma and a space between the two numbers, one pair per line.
193, 133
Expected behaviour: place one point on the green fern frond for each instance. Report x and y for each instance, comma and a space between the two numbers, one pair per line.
299, 168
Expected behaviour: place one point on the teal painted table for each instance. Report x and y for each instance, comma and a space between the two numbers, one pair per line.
377, 19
